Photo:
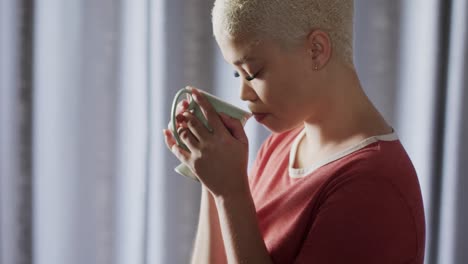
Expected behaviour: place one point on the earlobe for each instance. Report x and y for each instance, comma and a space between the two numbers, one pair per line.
314, 58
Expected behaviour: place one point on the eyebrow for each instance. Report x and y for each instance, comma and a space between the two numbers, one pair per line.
243, 60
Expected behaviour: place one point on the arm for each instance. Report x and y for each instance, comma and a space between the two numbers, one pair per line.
241, 234
209, 247
225, 181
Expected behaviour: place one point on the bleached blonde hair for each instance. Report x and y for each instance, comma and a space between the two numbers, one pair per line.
287, 21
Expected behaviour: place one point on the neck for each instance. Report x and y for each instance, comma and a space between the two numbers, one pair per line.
348, 114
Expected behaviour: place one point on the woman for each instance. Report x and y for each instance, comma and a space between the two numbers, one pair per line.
332, 183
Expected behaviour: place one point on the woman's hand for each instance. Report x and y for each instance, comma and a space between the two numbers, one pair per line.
218, 158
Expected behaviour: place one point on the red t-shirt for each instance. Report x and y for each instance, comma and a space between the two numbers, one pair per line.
363, 205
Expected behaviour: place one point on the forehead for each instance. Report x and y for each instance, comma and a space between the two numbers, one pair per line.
240, 51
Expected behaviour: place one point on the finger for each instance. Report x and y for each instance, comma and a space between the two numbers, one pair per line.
181, 123
235, 127
178, 124
182, 106
196, 126
189, 139
180, 153
208, 111
169, 138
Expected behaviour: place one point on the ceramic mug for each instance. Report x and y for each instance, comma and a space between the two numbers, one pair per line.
218, 104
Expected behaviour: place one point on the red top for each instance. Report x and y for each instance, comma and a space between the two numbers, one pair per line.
363, 205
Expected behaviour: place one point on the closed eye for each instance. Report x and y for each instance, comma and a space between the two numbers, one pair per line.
248, 78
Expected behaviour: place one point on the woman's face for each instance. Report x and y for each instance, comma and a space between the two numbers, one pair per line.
280, 85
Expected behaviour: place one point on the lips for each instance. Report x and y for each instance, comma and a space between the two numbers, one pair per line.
259, 116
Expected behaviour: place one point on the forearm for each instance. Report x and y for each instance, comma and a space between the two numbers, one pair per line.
209, 247
239, 227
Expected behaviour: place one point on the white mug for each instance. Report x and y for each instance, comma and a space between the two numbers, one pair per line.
218, 104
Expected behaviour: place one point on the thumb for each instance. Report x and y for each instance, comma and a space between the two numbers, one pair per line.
234, 126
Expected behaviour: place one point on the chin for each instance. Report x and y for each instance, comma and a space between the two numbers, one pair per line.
281, 128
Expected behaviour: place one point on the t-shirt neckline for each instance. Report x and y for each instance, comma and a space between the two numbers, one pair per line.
302, 172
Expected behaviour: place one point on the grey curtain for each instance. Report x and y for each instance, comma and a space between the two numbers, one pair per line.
76, 66
86, 88
452, 207
16, 125
432, 71
59, 89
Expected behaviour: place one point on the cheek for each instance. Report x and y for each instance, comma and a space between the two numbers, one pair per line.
275, 93
281, 88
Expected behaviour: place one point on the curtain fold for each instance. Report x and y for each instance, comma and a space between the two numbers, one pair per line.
453, 215
16, 122
156, 200
132, 130
187, 60
75, 140
420, 100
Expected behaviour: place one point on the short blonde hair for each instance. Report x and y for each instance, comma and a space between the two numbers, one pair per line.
287, 21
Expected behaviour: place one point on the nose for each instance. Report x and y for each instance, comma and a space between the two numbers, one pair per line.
247, 93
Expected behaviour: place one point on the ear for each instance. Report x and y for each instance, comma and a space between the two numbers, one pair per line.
319, 48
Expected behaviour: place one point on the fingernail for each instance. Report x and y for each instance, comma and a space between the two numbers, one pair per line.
180, 130
180, 118
196, 97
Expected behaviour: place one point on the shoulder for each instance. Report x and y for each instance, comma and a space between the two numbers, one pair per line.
380, 173
381, 165
380, 196
380, 181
